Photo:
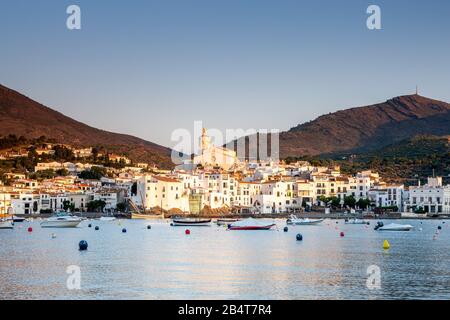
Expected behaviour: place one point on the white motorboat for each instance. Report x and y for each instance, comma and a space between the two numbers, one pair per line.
61, 220
107, 218
293, 220
356, 221
6, 224
393, 227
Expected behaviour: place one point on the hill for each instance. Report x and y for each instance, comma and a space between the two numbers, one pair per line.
367, 128
404, 162
23, 116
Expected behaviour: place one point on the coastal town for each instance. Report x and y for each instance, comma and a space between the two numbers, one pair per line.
215, 182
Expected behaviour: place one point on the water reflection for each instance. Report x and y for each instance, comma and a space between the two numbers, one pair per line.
213, 263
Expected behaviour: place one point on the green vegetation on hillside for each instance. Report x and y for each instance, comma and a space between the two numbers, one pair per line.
405, 162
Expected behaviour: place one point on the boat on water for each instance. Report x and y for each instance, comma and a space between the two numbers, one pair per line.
190, 222
107, 218
250, 224
146, 216
356, 221
17, 219
226, 221
61, 220
6, 224
294, 220
393, 227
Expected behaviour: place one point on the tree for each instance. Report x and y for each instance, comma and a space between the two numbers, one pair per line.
95, 153
96, 173
67, 205
323, 199
335, 202
96, 205
363, 203
350, 201
63, 153
62, 172
43, 174
121, 206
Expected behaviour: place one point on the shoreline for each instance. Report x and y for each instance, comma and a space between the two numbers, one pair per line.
310, 215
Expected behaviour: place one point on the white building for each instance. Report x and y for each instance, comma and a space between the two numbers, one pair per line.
162, 192
26, 203
433, 198
387, 196
213, 156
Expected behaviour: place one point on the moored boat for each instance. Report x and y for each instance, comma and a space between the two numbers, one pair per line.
190, 222
393, 227
146, 216
107, 218
6, 224
250, 224
293, 220
356, 221
226, 221
61, 220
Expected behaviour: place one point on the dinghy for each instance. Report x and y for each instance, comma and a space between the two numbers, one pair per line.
107, 218
293, 220
226, 221
250, 224
6, 224
356, 221
190, 222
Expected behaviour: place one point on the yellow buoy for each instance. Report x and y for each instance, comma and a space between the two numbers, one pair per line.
386, 245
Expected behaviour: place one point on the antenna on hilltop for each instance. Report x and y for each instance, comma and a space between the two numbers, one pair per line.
417, 90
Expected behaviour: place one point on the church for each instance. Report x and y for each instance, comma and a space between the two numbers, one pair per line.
213, 156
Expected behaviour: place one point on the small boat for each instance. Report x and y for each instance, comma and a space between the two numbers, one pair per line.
61, 220
6, 224
107, 218
393, 227
190, 222
356, 221
250, 224
146, 216
18, 219
226, 221
293, 220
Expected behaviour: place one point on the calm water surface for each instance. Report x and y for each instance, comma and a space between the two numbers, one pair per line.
213, 263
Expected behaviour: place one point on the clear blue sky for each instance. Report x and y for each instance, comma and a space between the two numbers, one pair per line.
149, 67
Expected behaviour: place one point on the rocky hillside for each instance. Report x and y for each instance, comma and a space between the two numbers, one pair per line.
22, 116
366, 128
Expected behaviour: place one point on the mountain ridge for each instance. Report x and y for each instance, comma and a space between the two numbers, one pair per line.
367, 128
22, 115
